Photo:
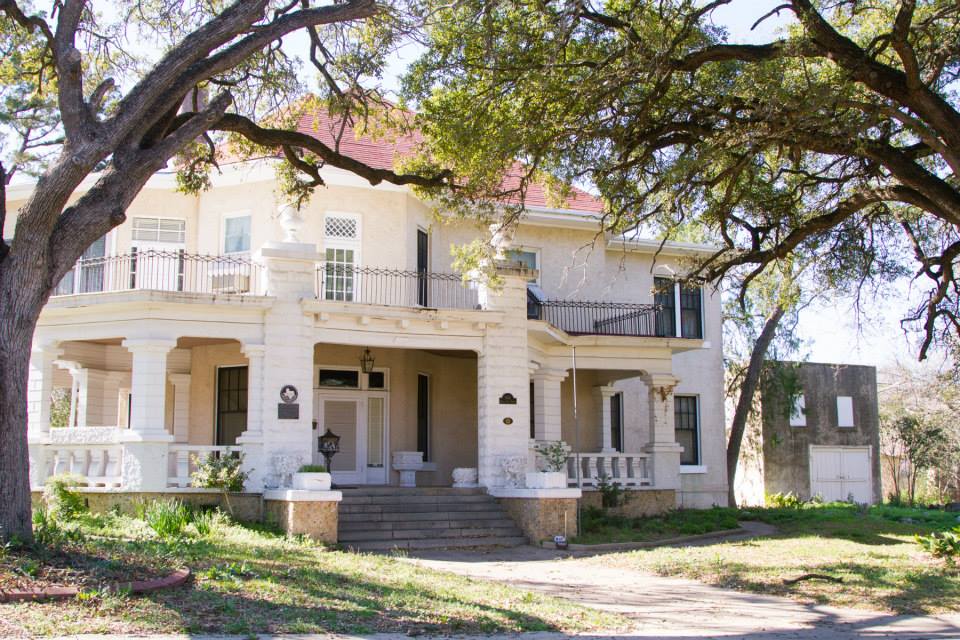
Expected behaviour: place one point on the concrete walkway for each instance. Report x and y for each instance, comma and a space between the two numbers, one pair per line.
677, 608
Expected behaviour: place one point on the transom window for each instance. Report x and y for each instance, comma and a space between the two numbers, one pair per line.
686, 421
332, 377
340, 227
170, 230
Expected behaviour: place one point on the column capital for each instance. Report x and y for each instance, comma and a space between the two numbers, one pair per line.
177, 379
661, 380
50, 350
605, 390
149, 345
549, 374
70, 365
253, 350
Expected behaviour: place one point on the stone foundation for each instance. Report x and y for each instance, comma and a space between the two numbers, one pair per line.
639, 503
543, 518
314, 514
247, 507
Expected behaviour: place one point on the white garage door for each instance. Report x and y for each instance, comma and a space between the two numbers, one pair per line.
837, 473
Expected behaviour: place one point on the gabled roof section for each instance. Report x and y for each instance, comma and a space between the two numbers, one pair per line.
383, 154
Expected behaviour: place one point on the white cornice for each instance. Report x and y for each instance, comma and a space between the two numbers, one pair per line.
668, 248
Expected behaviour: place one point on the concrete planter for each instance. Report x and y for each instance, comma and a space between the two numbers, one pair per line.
312, 481
546, 480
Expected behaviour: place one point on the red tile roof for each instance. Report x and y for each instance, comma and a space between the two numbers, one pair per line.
382, 153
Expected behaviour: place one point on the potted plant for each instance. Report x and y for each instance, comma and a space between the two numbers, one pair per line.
553, 457
312, 477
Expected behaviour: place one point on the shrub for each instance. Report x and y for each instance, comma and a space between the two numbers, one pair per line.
942, 544
205, 522
554, 455
313, 468
167, 518
61, 501
611, 495
784, 501
224, 472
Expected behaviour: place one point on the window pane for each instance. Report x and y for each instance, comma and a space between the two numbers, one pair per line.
690, 316
527, 258
236, 234
376, 380
339, 275
375, 419
339, 378
663, 297
686, 428
423, 416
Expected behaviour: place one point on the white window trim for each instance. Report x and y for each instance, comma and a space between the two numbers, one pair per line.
686, 469
536, 251
853, 417
343, 243
223, 232
362, 378
135, 242
699, 432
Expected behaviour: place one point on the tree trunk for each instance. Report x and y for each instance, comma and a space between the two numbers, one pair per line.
21, 285
745, 401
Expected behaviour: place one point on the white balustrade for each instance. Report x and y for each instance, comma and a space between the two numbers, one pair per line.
184, 459
98, 464
624, 469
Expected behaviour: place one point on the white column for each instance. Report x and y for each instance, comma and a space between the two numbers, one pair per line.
601, 397
92, 393
181, 406
288, 340
546, 403
111, 397
39, 390
146, 449
251, 440
503, 429
663, 448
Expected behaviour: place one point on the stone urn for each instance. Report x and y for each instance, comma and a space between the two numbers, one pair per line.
465, 477
408, 463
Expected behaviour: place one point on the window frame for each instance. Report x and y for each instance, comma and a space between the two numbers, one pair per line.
134, 241
853, 414
223, 232
536, 258
697, 431
362, 378
336, 243
427, 436
678, 309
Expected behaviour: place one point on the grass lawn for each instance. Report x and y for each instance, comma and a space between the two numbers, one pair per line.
249, 580
873, 552
600, 529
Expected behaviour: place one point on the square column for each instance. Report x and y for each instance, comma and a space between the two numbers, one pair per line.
664, 450
181, 406
144, 465
251, 440
602, 395
39, 391
546, 403
503, 379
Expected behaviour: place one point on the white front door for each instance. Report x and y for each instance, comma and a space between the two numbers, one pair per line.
360, 419
839, 473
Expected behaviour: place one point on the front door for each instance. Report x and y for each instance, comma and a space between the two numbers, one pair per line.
359, 418
231, 404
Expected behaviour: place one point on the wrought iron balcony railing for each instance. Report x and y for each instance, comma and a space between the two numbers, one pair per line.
578, 317
162, 271
394, 287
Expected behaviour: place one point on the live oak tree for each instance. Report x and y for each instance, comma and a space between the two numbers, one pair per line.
838, 141
114, 92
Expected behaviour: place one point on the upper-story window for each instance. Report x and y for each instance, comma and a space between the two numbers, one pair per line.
680, 306
529, 258
845, 411
163, 230
798, 413
236, 233
341, 238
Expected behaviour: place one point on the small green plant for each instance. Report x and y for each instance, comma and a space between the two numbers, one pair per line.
205, 522
224, 472
62, 502
167, 518
554, 455
313, 468
788, 500
611, 495
942, 544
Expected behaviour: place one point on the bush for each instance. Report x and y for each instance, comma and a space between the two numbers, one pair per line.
224, 472
784, 501
61, 502
611, 495
942, 544
167, 518
554, 455
205, 522
313, 468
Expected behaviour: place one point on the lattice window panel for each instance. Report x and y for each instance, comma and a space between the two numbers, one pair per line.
336, 227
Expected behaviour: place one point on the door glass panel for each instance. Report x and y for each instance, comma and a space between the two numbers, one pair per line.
343, 378
231, 404
339, 274
340, 417
375, 432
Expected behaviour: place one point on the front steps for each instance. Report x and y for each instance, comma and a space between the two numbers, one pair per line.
385, 518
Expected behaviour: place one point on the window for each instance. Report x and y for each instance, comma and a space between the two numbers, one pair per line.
844, 411
376, 380
423, 266
664, 298
236, 234
691, 325
341, 378
529, 258
170, 230
423, 415
669, 296
346, 227
533, 420
798, 414
231, 404
339, 281
616, 421
686, 421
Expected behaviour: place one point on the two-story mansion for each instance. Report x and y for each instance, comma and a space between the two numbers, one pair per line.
177, 333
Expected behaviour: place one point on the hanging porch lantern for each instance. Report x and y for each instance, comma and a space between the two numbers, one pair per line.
366, 361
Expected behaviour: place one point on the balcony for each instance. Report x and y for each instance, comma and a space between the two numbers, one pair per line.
394, 287
176, 271
577, 317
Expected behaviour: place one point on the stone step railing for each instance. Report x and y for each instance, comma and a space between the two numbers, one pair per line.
623, 469
183, 460
94, 453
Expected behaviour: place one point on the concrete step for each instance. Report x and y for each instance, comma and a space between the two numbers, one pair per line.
416, 499
436, 543
423, 534
440, 515
432, 525
412, 491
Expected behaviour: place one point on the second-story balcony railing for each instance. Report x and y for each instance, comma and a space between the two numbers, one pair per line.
162, 271
394, 287
578, 317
